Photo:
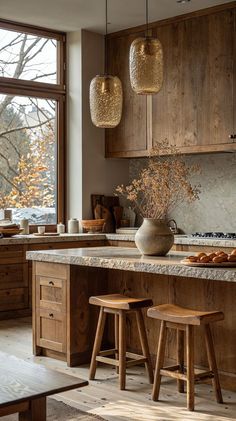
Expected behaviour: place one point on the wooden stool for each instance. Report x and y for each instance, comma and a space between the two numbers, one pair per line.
184, 320
120, 305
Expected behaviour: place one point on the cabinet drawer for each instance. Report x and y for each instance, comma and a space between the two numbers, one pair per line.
11, 254
51, 329
51, 293
52, 270
13, 299
13, 276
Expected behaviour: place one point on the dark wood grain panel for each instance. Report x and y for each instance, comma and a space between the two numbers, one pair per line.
13, 299
195, 107
13, 276
130, 136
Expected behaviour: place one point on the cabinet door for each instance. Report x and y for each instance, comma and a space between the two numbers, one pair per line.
51, 293
129, 138
194, 110
51, 313
51, 330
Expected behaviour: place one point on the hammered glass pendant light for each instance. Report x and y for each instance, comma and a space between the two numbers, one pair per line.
106, 97
146, 63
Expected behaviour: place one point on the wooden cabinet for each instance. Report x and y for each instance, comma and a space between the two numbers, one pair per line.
50, 290
63, 321
129, 138
14, 285
16, 276
195, 109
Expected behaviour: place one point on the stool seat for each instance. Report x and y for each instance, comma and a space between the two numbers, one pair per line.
120, 302
176, 314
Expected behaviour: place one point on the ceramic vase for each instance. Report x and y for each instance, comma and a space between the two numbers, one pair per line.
154, 237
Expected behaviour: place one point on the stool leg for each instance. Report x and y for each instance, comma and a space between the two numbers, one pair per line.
190, 367
212, 363
122, 349
180, 358
97, 343
159, 361
144, 344
117, 339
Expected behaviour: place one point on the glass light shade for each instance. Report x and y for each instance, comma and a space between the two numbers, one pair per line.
146, 65
106, 99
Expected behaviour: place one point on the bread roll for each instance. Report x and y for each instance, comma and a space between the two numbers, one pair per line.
220, 258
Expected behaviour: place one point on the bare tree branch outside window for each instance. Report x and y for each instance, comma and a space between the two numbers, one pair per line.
27, 129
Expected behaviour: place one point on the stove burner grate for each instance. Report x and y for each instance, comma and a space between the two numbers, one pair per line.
218, 235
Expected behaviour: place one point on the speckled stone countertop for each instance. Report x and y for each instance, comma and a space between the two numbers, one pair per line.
33, 239
179, 239
129, 259
213, 242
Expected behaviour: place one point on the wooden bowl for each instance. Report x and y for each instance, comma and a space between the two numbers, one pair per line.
9, 232
92, 225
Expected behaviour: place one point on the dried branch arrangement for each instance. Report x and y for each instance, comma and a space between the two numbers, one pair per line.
162, 184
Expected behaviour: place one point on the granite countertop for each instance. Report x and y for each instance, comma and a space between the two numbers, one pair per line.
213, 242
129, 259
33, 239
179, 239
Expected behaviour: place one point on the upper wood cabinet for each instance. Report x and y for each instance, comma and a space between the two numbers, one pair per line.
130, 137
195, 107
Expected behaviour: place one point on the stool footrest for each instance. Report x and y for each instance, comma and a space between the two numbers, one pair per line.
107, 360
174, 374
173, 371
130, 363
134, 359
108, 352
203, 376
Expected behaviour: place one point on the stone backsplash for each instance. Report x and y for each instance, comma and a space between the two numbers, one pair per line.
216, 209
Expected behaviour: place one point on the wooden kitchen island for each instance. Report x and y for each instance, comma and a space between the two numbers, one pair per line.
64, 323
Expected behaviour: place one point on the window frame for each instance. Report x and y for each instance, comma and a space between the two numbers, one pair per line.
43, 90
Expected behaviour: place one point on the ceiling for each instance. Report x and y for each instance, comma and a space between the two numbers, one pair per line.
71, 15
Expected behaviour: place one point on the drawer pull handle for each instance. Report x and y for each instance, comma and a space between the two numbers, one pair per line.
51, 315
51, 283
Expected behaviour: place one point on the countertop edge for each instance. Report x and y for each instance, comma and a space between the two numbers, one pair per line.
122, 263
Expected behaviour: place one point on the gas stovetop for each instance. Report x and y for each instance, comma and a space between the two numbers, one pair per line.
217, 235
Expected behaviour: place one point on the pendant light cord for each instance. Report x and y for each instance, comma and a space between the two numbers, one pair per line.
147, 18
106, 61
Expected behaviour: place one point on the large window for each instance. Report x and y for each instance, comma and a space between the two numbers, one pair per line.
32, 102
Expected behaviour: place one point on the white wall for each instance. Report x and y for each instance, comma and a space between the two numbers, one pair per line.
74, 125
88, 171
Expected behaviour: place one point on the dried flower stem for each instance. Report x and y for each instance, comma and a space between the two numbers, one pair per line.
162, 183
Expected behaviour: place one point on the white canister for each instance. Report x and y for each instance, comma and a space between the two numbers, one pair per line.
24, 224
60, 228
73, 226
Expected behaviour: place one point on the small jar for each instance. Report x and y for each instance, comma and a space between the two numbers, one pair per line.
73, 226
24, 224
60, 228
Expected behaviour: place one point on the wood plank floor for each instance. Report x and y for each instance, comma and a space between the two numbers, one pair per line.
102, 397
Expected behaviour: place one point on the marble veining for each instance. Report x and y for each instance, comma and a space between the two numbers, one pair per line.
129, 259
